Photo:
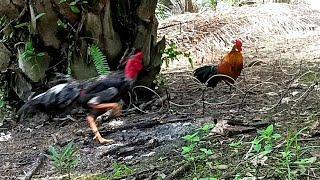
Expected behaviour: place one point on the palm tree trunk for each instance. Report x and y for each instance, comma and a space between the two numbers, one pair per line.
65, 32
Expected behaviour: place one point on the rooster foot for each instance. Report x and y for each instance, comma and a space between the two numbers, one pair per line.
97, 135
103, 140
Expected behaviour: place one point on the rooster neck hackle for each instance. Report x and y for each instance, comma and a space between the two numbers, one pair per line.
134, 66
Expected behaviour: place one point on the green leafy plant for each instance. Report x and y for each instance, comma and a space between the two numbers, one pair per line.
62, 24
99, 60
65, 160
235, 146
197, 153
2, 103
193, 151
121, 170
3, 21
171, 54
292, 161
30, 53
265, 142
74, 4
213, 3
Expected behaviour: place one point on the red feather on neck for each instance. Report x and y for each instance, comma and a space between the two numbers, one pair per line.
134, 65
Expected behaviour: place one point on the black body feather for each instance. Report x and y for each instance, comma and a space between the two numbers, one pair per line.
108, 89
206, 72
57, 97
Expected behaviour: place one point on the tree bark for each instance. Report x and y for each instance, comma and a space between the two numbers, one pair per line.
64, 35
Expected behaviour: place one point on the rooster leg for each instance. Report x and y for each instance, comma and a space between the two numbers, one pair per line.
97, 135
102, 108
230, 86
117, 108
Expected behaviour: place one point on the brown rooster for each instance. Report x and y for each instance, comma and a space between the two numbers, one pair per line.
231, 65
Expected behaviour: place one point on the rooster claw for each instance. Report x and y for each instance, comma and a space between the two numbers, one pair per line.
103, 140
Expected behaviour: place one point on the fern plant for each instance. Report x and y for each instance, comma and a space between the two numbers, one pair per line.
99, 60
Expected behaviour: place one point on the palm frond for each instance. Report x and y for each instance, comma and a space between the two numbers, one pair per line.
99, 60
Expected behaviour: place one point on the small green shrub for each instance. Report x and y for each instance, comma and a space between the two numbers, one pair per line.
292, 164
74, 5
171, 54
64, 160
121, 170
199, 153
193, 150
265, 142
30, 53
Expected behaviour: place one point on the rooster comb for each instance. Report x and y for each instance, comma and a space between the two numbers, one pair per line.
238, 42
134, 65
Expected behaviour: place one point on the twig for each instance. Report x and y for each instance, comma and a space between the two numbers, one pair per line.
306, 94
104, 150
35, 167
54, 138
184, 167
153, 101
168, 97
140, 173
133, 148
311, 176
65, 118
140, 144
135, 107
259, 124
310, 139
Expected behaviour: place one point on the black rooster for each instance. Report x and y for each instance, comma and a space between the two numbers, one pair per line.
99, 96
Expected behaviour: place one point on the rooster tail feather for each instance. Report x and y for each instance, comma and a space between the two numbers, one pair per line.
206, 72
28, 107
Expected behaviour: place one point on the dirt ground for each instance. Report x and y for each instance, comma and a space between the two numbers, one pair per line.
267, 81
279, 85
